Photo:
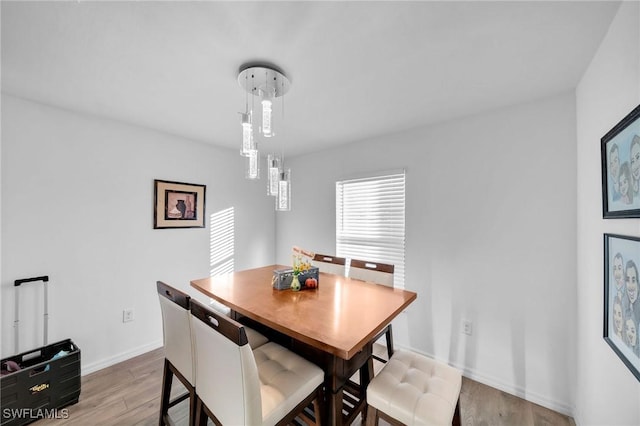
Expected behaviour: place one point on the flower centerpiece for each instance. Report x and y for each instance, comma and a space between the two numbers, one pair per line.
300, 265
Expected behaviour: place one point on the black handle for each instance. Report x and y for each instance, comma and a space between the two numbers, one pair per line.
44, 278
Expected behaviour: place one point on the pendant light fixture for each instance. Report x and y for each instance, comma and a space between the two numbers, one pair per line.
247, 134
267, 83
248, 143
267, 103
253, 165
274, 168
283, 199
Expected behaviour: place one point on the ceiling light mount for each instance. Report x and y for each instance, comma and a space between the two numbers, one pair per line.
261, 79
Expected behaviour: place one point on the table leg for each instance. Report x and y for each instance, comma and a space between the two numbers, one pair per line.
337, 381
344, 398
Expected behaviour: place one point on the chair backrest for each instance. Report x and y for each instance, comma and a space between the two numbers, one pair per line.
329, 264
381, 273
176, 326
228, 381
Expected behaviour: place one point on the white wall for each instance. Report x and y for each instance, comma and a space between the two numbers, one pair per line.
491, 235
77, 204
606, 391
491, 207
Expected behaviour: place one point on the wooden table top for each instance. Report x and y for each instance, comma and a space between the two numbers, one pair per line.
340, 317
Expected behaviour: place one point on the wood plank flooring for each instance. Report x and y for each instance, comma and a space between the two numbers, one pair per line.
128, 394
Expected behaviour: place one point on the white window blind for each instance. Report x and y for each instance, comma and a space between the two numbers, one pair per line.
370, 221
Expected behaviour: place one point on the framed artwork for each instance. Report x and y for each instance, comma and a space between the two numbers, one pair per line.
620, 154
178, 205
621, 304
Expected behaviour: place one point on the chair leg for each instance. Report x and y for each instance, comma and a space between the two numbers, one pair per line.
457, 420
318, 405
389, 341
192, 407
366, 375
167, 379
166, 402
201, 416
372, 416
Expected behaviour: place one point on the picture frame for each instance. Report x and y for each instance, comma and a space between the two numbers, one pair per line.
178, 205
620, 157
621, 301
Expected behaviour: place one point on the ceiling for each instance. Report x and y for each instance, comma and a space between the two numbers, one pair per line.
357, 69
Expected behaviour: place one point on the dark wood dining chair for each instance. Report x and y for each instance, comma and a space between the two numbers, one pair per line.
240, 386
379, 273
178, 350
329, 264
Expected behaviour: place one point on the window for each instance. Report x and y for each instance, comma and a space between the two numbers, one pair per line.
370, 220
221, 241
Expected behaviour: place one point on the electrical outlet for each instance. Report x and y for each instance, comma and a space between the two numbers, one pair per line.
467, 327
127, 315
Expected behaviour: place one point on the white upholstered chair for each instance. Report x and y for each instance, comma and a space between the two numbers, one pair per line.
412, 389
329, 264
240, 386
379, 273
179, 358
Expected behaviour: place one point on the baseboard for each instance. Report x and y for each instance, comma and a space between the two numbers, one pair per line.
517, 391
99, 365
577, 418
507, 387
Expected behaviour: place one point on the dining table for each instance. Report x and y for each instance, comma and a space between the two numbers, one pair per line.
333, 325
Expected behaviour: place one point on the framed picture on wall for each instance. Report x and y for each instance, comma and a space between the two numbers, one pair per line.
178, 205
621, 304
620, 155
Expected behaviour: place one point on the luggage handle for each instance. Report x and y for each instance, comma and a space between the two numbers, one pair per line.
31, 355
44, 278
16, 323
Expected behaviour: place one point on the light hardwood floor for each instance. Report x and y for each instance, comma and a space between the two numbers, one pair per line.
128, 394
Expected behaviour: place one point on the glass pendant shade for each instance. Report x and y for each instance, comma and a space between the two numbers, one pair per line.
247, 135
253, 165
283, 200
267, 130
273, 174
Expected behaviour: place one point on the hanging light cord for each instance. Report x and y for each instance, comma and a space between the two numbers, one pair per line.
282, 125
